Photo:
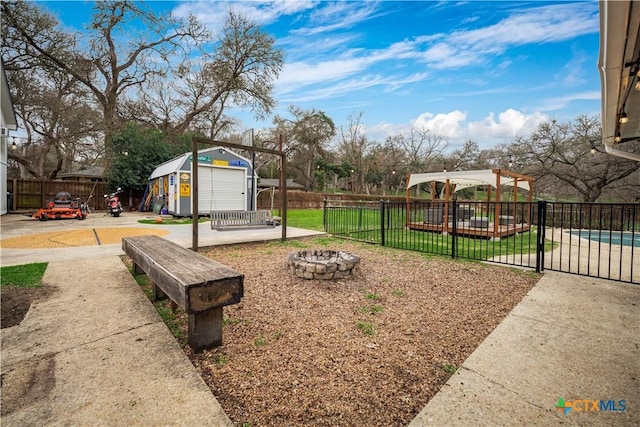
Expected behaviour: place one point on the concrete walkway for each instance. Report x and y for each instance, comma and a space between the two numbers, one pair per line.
571, 337
97, 353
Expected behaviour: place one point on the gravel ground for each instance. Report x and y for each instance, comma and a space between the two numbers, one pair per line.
365, 351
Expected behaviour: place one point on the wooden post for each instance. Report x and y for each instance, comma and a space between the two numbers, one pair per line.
194, 195
205, 329
157, 293
496, 213
530, 199
445, 219
283, 191
407, 201
16, 200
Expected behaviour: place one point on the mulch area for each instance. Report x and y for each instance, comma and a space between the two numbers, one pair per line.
366, 351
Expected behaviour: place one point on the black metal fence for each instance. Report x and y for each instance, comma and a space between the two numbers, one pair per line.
597, 240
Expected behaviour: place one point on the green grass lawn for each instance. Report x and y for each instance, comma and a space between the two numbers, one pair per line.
364, 224
310, 219
24, 276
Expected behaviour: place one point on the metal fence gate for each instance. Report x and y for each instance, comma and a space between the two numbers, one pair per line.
591, 239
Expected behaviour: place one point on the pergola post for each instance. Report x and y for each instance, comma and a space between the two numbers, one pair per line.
496, 211
445, 220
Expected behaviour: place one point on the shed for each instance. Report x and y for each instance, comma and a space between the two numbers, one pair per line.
226, 181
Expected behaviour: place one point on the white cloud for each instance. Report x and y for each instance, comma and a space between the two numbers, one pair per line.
453, 126
560, 102
323, 64
449, 125
315, 54
572, 74
338, 89
337, 16
301, 73
510, 123
536, 25
214, 13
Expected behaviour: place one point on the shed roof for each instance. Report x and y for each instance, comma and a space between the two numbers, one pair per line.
173, 165
168, 167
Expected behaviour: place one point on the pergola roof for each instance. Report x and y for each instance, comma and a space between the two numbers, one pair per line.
465, 179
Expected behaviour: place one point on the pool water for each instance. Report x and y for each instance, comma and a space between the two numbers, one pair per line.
612, 237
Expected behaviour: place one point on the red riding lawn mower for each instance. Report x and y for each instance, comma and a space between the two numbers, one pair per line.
63, 207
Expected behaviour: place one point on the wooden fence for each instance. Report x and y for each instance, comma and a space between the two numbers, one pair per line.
308, 200
29, 195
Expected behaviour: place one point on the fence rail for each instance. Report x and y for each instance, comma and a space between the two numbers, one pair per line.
598, 240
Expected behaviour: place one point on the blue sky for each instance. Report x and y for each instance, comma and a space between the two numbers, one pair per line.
480, 70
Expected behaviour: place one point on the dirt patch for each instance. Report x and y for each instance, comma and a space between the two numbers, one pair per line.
371, 350
16, 302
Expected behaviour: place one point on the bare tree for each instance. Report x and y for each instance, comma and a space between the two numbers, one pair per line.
354, 148
421, 146
308, 133
99, 58
470, 157
56, 115
388, 168
568, 153
238, 73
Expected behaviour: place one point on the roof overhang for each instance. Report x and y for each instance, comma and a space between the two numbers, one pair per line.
6, 102
619, 66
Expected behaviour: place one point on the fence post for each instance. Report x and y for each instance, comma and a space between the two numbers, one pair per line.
541, 235
382, 222
324, 215
454, 227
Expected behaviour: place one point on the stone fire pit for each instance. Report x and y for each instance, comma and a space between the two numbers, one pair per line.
323, 264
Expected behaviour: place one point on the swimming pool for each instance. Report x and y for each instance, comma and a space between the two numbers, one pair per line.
612, 237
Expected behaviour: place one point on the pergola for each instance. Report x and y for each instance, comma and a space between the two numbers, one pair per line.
458, 180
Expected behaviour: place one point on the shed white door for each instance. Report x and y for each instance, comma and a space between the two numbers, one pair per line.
221, 189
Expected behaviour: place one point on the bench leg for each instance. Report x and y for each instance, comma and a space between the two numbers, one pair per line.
156, 293
137, 269
205, 329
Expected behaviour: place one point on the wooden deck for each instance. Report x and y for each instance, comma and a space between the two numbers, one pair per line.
463, 229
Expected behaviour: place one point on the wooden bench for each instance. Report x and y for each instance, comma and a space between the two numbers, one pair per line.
240, 220
196, 284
